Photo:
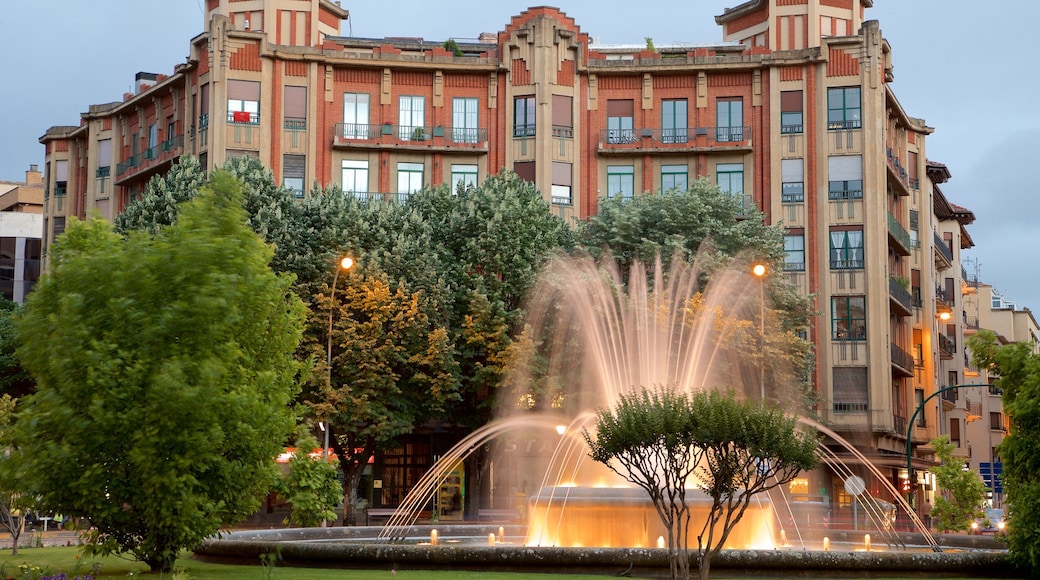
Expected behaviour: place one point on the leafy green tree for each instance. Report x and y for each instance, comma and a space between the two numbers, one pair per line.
14, 379
1019, 370
391, 370
162, 197
662, 440
13, 504
963, 491
310, 486
165, 368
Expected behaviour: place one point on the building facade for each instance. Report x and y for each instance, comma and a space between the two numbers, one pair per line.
793, 113
21, 231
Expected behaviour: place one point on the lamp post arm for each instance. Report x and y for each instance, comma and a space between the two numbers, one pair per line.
913, 418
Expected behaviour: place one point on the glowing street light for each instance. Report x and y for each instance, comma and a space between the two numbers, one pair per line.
345, 263
759, 270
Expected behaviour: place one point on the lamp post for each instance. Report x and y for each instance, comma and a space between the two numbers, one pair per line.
344, 263
910, 428
759, 270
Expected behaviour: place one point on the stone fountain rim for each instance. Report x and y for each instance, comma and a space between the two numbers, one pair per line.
339, 548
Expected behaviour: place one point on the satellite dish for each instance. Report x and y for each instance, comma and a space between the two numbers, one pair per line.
855, 485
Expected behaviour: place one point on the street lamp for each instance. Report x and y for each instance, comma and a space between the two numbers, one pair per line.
759, 270
344, 263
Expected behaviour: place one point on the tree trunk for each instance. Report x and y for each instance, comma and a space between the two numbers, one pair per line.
352, 461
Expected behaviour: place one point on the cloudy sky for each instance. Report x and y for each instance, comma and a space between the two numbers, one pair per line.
967, 68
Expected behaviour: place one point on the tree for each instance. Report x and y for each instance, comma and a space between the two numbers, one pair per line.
391, 371
964, 491
13, 505
165, 368
14, 379
1019, 370
660, 440
310, 486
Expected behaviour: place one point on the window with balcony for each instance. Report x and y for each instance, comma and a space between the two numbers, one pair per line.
355, 116
790, 112
355, 178
621, 181
463, 177
675, 177
620, 121
409, 178
411, 118
523, 117
794, 252
243, 104
729, 120
843, 108
846, 248
730, 179
563, 116
561, 183
792, 181
464, 119
294, 173
153, 142
848, 318
845, 177
104, 165
295, 108
673, 121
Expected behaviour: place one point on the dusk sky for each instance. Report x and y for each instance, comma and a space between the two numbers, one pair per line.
968, 68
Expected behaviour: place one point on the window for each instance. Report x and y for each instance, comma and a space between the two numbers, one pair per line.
104, 166
463, 176
794, 252
523, 117
848, 318
955, 431
621, 181
620, 121
729, 120
411, 118
409, 179
464, 121
843, 108
996, 421
790, 112
561, 183
243, 104
355, 178
153, 142
730, 178
847, 249
845, 177
850, 390
919, 404
294, 167
355, 116
673, 121
675, 177
563, 116
525, 170
295, 108
792, 178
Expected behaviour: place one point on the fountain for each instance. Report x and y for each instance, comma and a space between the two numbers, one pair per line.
603, 336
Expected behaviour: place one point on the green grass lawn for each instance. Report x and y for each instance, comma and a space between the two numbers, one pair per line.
67, 560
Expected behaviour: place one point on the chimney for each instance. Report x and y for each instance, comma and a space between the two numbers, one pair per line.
33, 176
143, 80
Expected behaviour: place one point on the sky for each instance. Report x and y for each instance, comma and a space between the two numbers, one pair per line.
968, 68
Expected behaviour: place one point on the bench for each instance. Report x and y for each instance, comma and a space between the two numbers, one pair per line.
378, 513
498, 515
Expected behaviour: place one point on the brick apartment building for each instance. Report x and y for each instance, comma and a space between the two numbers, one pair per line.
793, 113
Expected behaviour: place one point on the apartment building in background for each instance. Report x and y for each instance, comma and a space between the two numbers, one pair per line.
21, 233
793, 112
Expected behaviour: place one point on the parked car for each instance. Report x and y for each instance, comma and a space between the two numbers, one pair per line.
991, 522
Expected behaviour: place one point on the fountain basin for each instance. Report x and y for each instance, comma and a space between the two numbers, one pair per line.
355, 547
